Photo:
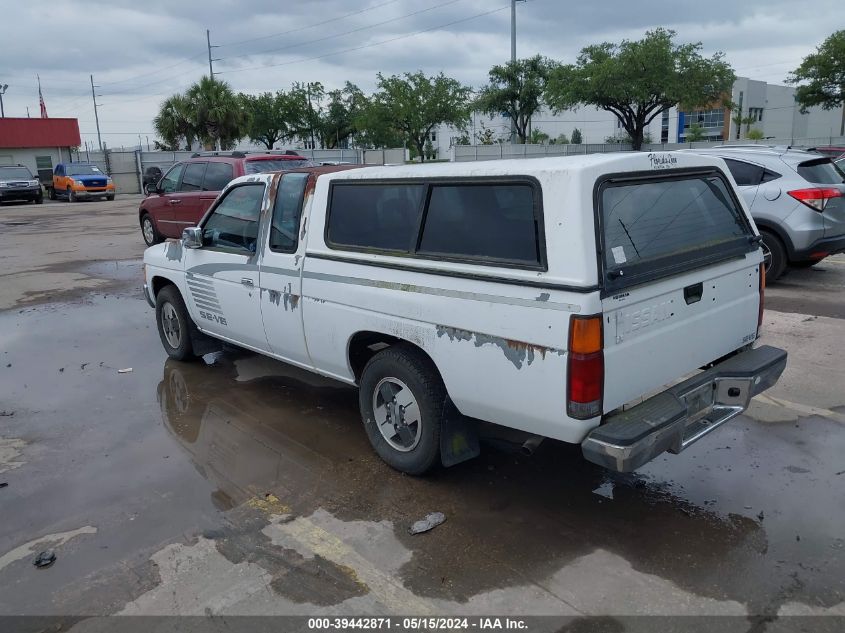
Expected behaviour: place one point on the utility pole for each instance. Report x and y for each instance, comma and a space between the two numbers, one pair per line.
208, 41
3, 88
96, 116
513, 59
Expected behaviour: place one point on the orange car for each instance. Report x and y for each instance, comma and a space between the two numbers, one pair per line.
78, 181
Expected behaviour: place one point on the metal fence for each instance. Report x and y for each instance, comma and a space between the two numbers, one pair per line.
127, 168
495, 152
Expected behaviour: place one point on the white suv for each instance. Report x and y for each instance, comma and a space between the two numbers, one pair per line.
541, 295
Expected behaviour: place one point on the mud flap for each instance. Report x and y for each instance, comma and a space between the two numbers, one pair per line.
458, 437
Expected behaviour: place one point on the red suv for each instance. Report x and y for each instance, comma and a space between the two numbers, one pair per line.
186, 191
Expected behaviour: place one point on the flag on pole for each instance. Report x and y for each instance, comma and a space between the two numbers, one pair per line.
41, 100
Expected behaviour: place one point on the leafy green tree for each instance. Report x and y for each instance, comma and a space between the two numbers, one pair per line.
576, 137
336, 122
538, 137
268, 121
462, 139
516, 89
754, 134
411, 106
217, 113
821, 77
638, 80
562, 139
175, 122
486, 136
695, 133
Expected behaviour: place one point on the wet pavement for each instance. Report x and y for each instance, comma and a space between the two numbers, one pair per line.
238, 484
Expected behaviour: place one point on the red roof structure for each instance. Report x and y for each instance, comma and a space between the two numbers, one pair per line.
21, 133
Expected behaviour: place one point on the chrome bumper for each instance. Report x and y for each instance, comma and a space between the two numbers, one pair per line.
148, 296
683, 414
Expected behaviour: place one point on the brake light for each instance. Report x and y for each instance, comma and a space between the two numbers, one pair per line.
762, 287
815, 198
585, 367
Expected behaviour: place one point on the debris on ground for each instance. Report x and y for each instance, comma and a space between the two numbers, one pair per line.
761, 516
841, 472
747, 507
3, 484
128, 370
45, 559
6, 414
428, 523
82, 366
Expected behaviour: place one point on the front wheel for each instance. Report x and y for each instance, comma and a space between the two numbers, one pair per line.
71, 197
148, 230
402, 400
110, 197
51, 193
174, 324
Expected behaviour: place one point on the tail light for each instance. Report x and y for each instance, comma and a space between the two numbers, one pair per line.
815, 198
762, 293
585, 367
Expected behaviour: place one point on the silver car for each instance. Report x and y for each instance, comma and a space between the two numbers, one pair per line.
796, 198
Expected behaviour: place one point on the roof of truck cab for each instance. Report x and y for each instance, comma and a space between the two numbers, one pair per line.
609, 163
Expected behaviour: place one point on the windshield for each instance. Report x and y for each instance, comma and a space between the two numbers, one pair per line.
83, 170
821, 171
263, 166
15, 173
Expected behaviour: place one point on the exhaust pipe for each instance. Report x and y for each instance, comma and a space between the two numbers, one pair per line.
531, 444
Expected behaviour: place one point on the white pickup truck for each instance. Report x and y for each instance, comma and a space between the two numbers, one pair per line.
607, 300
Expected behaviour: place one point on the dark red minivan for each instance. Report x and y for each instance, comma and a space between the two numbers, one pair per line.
187, 189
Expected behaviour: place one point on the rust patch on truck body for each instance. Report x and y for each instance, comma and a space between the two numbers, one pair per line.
519, 353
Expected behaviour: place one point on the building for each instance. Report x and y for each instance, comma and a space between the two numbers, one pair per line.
769, 108
38, 143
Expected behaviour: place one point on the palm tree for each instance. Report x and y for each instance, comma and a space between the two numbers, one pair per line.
175, 121
218, 113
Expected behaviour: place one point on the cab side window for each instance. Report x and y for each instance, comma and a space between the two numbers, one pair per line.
192, 178
233, 224
286, 213
60, 170
170, 181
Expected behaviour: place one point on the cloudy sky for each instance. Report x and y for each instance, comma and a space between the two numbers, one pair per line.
142, 51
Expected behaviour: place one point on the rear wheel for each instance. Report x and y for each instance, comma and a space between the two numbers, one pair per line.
51, 193
149, 231
402, 399
774, 255
174, 324
39, 199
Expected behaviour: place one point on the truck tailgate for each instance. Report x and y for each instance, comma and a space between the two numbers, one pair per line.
656, 333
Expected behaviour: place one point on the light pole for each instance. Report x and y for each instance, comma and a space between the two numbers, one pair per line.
2, 92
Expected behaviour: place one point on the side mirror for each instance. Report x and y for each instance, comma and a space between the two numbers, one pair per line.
192, 237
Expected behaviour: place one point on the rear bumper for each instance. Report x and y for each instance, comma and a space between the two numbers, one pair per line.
821, 248
684, 413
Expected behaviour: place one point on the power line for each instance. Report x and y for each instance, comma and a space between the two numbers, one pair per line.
311, 26
364, 46
356, 30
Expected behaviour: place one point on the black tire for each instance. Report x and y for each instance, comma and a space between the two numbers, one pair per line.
805, 263
71, 197
51, 193
183, 349
418, 373
156, 236
109, 197
39, 199
776, 255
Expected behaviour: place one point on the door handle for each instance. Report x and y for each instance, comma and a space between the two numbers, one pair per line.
246, 281
175, 202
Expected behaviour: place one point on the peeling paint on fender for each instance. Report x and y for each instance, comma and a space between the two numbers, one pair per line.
517, 352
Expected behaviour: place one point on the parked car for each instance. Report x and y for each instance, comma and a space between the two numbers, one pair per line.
579, 284
152, 175
80, 181
18, 183
796, 198
182, 196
